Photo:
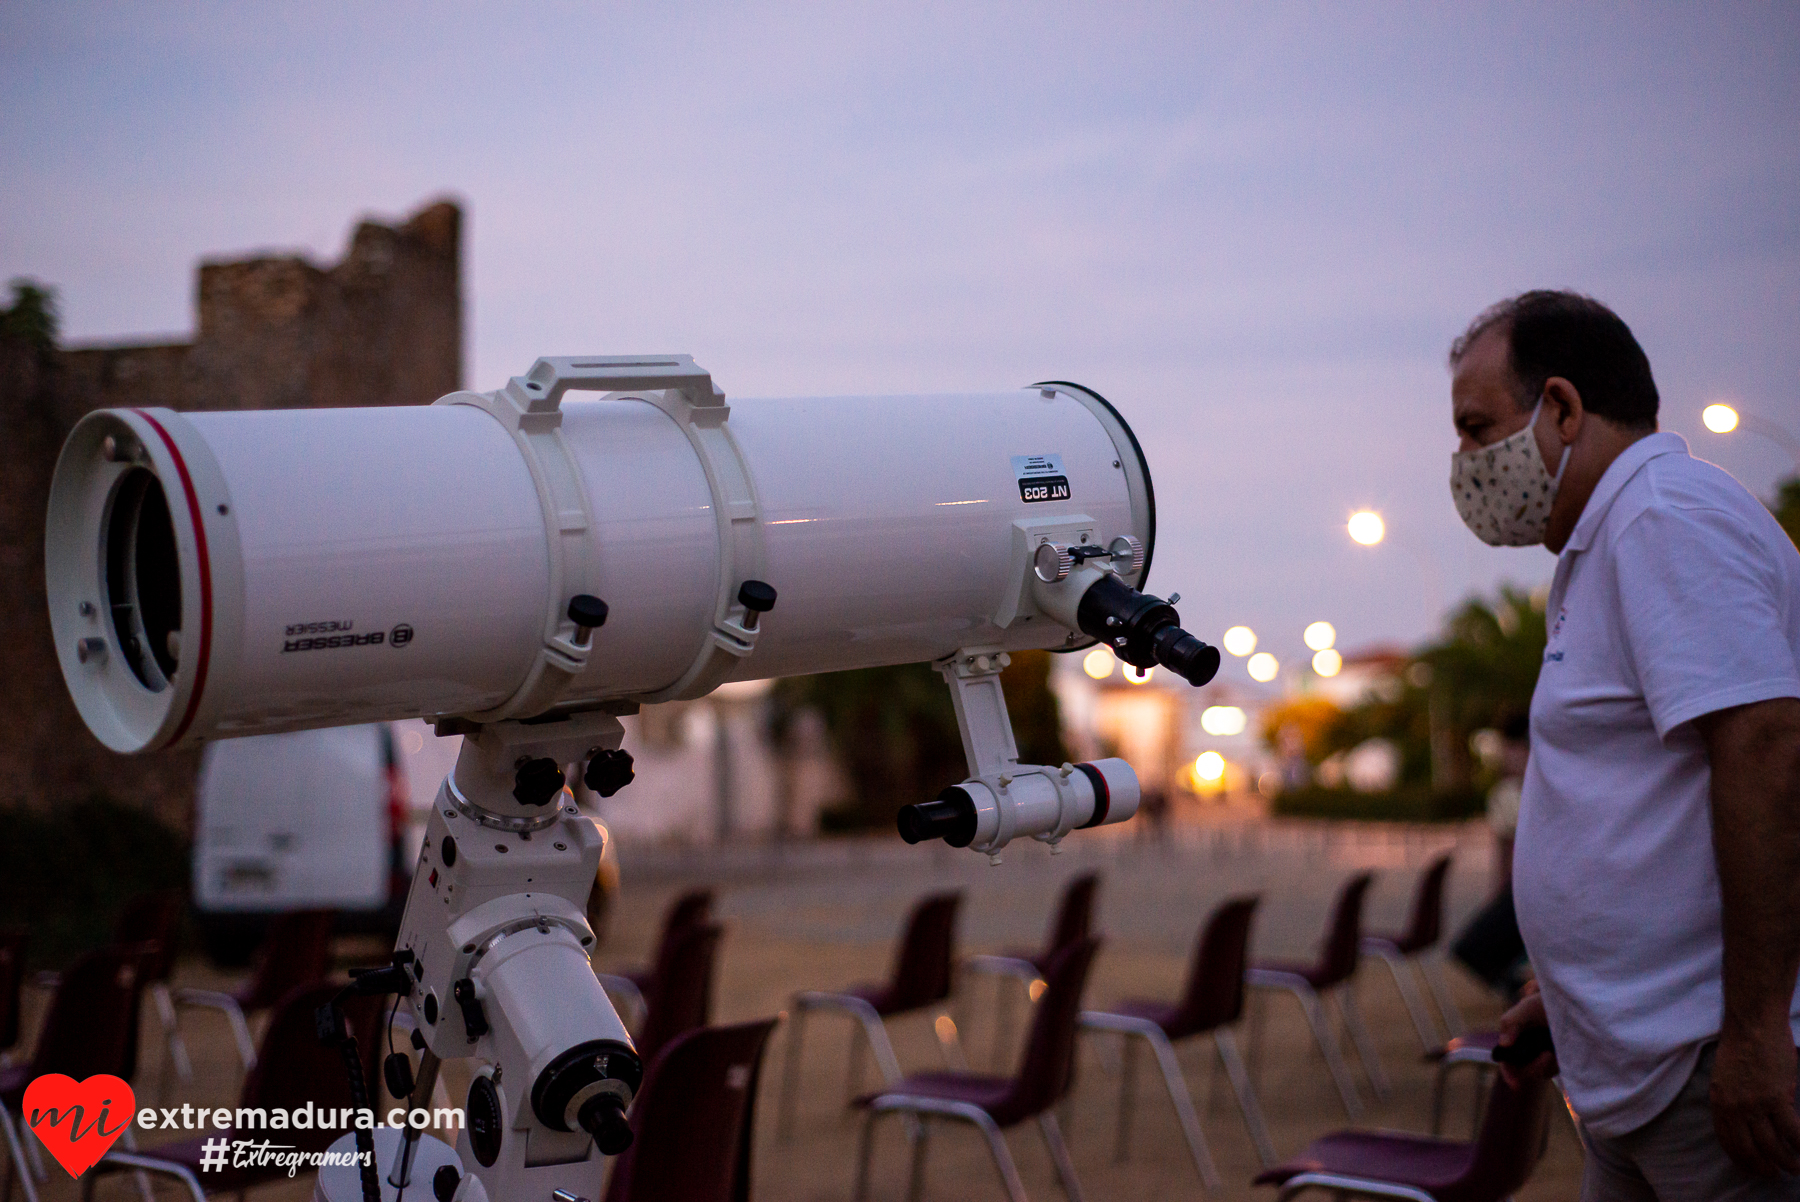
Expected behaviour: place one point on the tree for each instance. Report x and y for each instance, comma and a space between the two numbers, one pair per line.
1787, 507
31, 318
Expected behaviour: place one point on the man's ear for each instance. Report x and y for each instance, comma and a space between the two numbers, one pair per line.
1563, 400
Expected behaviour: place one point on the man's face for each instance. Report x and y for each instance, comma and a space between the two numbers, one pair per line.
1481, 394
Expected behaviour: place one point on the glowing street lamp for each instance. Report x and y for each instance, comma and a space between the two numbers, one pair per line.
1240, 640
1320, 635
1222, 720
1328, 662
1263, 667
1720, 419
1366, 527
1210, 766
1098, 663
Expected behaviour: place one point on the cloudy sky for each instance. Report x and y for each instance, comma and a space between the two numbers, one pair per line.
1255, 228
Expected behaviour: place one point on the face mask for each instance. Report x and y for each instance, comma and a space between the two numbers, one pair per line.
1504, 492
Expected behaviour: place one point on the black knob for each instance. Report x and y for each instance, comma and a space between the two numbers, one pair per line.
603, 1117
609, 772
756, 596
587, 611
398, 1071
950, 818
536, 782
444, 1182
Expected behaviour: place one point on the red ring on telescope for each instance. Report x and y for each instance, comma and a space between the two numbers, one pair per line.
193, 502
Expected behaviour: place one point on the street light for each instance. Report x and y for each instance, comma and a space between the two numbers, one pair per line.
1366, 527
1328, 662
1222, 720
1240, 640
1263, 667
1320, 636
1098, 663
1721, 418
1210, 766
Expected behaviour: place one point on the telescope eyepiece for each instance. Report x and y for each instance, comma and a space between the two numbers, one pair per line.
1144, 630
950, 818
603, 1117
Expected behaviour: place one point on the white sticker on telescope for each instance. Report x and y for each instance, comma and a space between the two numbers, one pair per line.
1041, 478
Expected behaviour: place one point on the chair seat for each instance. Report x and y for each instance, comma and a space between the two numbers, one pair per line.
1310, 973
1398, 943
977, 1089
1416, 1160
1163, 1014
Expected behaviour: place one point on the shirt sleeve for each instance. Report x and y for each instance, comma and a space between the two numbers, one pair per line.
1705, 620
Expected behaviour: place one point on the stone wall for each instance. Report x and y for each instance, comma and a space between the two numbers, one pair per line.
383, 326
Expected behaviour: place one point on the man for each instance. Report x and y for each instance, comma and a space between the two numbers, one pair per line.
1657, 865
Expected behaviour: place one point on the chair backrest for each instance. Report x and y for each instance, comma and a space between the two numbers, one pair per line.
295, 951
1047, 1069
1343, 940
692, 1118
922, 964
153, 918
1074, 919
294, 1068
691, 909
13, 941
92, 1023
1514, 1134
1427, 922
1215, 984
680, 996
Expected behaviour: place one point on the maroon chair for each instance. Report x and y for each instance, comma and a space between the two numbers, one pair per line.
1401, 950
90, 1028
1471, 1048
691, 909
13, 942
693, 1118
1331, 976
1390, 1164
155, 918
921, 978
681, 994
991, 1103
1212, 1004
1072, 922
292, 1069
295, 952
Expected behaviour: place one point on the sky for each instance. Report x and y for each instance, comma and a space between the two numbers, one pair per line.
1254, 228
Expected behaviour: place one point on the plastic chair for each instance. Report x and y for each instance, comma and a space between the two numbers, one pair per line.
1409, 947
1212, 1003
1072, 922
921, 978
991, 1103
156, 918
1421, 1168
91, 1027
292, 1069
693, 1119
693, 908
1331, 977
296, 951
1474, 1048
681, 994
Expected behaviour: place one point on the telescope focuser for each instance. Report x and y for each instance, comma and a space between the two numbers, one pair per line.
1144, 630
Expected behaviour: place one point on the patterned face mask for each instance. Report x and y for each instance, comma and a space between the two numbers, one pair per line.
1504, 492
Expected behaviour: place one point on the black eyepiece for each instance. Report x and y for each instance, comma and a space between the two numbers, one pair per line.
950, 818
603, 1117
1143, 630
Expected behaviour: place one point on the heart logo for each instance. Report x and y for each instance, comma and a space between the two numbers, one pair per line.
78, 1120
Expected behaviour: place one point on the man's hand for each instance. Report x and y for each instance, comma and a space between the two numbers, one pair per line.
1528, 1012
1754, 752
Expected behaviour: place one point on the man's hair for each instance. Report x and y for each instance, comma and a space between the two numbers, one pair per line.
1576, 337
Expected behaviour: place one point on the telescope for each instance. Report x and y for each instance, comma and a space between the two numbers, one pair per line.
523, 568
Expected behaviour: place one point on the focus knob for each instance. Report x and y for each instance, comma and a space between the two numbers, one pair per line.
1127, 554
1051, 562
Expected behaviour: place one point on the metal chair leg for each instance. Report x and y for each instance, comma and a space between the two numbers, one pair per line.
865, 1155
1432, 968
1409, 994
1003, 1161
1328, 1047
919, 1134
790, 1075
1359, 1035
1226, 1044
879, 1043
1184, 1107
1127, 1095
129, 1142
16, 1165
1059, 1154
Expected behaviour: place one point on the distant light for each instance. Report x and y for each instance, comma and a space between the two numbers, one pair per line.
1320, 635
1263, 667
1132, 677
1098, 663
1222, 720
1240, 640
1720, 419
1210, 765
1366, 527
1328, 662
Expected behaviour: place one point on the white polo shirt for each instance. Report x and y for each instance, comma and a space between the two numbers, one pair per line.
1678, 595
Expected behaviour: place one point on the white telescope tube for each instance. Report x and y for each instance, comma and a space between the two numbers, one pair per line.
218, 574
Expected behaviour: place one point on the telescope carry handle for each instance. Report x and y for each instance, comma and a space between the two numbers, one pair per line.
541, 389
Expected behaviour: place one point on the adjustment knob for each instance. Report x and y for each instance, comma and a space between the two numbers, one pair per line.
1051, 562
603, 1117
1127, 554
536, 782
608, 772
758, 598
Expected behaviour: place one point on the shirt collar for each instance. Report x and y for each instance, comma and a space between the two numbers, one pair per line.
1612, 482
